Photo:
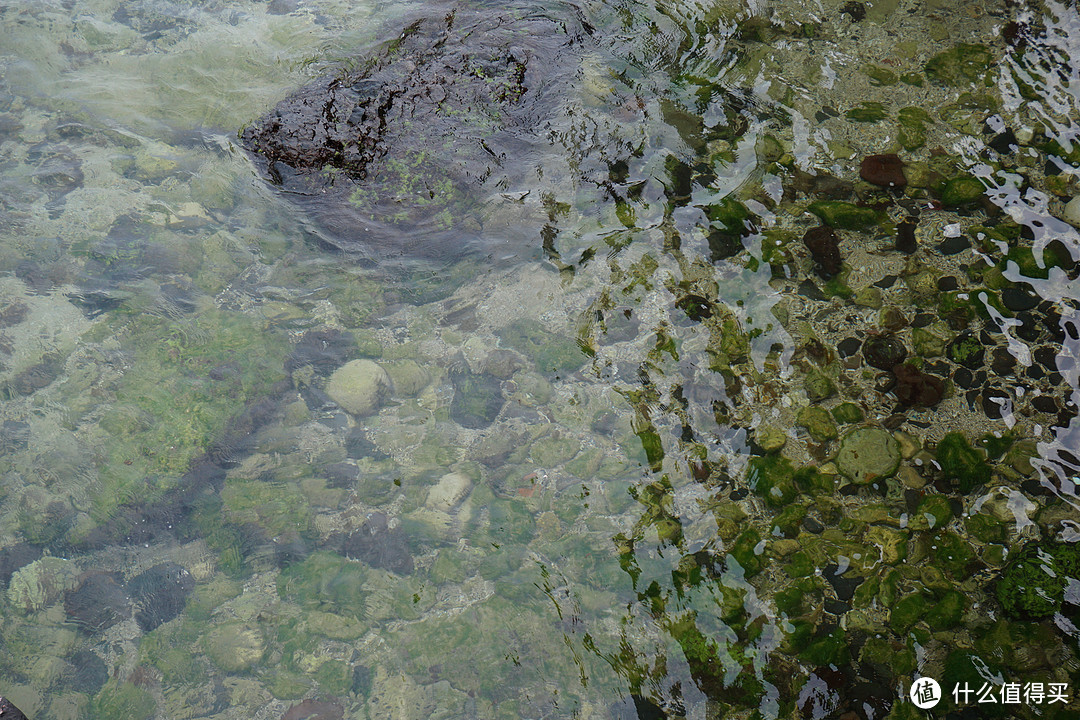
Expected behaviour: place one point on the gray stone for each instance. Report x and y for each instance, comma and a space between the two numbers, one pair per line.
868, 454
360, 387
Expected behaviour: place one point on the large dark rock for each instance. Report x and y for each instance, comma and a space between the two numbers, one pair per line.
160, 594
398, 153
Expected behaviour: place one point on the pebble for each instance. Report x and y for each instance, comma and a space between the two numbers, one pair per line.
1071, 214
1018, 299
360, 387
883, 170
448, 492
824, 246
867, 454
884, 352
954, 245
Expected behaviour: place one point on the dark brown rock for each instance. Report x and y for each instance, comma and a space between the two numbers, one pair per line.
914, 388
824, 246
883, 352
884, 170
906, 241
405, 150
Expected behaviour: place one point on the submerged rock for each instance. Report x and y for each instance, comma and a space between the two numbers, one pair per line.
360, 387
399, 152
99, 602
380, 546
824, 247
161, 593
867, 454
884, 170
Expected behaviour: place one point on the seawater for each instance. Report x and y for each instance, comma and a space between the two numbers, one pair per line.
735, 430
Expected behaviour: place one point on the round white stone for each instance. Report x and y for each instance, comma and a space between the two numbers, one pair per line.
360, 387
448, 492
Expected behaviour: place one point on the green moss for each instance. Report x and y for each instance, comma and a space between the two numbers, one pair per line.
961, 462
961, 191
866, 592
168, 651
334, 677
123, 701
1032, 586
996, 446
788, 520
952, 553
818, 422
1028, 265
912, 78
809, 480
729, 214
846, 413
879, 75
325, 581
912, 122
277, 508
844, 215
985, 528
947, 612
961, 65
907, 611
552, 353
934, 511
798, 598
890, 654
771, 477
170, 406
867, 111
800, 564
743, 552
829, 650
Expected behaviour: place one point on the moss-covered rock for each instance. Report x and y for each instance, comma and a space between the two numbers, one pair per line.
907, 611
867, 454
359, 386
961, 65
818, 422
962, 463
772, 477
868, 111
912, 128
846, 413
745, 552
235, 646
843, 215
962, 191
123, 701
1032, 586
818, 385
934, 511
947, 612
552, 353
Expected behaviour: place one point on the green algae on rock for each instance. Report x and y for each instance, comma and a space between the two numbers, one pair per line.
1033, 584
867, 454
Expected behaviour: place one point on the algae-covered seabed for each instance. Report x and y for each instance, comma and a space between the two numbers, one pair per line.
666, 463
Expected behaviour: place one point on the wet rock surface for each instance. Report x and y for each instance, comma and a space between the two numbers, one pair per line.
379, 545
160, 594
98, 602
388, 156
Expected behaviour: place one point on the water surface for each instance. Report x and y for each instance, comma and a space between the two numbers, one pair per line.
734, 429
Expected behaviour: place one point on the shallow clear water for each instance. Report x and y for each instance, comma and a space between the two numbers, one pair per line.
621, 436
